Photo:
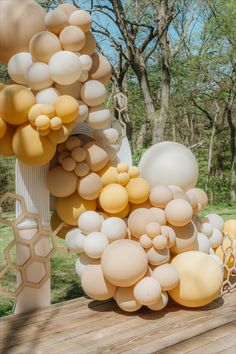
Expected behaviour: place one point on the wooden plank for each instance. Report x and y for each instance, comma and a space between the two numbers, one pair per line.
194, 343
85, 326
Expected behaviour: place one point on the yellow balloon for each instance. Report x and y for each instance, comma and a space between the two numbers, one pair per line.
122, 214
108, 175
3, 127
31, 148
70, 208
138, 190
67, 108
15, 103
200, 279
6, 143
113, 198
230, 227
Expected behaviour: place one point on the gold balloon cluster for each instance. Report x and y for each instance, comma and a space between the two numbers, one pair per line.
60, 82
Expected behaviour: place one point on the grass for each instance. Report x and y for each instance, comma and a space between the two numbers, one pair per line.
65, 283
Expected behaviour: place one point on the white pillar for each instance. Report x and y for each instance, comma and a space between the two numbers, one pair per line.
31, 184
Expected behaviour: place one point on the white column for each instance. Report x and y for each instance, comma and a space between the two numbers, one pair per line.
31, 184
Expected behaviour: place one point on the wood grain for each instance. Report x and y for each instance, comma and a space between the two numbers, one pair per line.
85, 326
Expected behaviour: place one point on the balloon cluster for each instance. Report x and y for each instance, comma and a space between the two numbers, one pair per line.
64, 82
142, 243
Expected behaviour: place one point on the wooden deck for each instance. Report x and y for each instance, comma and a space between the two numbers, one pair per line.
84, 326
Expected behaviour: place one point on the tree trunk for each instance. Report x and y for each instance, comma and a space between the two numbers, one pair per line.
159, 122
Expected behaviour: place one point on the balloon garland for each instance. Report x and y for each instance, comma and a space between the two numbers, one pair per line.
135, 229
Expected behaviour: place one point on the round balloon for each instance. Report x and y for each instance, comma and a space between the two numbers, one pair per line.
101, 68
70, 208
65, 67
20, 20
18, 65
6, 143
55, 21
93, 93
200, 279
56, 182
113, 198
169, 163
124, 262
38, 77
125, 299
15, 103
43, 45
31, 148
72, 38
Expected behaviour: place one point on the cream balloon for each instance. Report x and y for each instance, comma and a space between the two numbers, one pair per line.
138, 221
38, 77
93, 93
65, 67
167, 276
68, 9
216, 238
203, 243
158, 257
75, 240
18, 65
43, 45
99, 117
90, 44
95, 285
147, 291
83, 111
72, 38
207, 229
47, 96
83, 261
215, 220
132, 267
95, 244
20, 20
160, 196
82, 19
90, 186
114, 228
178, 212
55, 21
86, 62
56, 182
186, 236
101, 68
169, 163
159, 215
161, 303
90, 221
125, 299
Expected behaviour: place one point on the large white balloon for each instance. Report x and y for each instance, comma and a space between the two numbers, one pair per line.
65, 67
18, 65
169, 163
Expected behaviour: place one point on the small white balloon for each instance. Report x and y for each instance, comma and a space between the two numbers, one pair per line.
215, 220
207, 229
90, 221
37, 76
47, 96
93, 93
216, 238
74, 241
82, 262
95, 244
18, 65
114, 228
203, 243
83, 76
65, 67
86, 62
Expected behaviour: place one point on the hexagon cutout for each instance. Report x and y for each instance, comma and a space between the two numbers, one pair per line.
10, 205
43, 245
35, 272
11, 282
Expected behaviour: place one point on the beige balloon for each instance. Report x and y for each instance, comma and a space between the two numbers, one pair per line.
43, 45
161, 303
93, 93
125, 299
147, 291
56, 182
71, 90
20, 21
178, 212
96, 156
167, 276
101, 68
82, 19
55, 21
159, 215
90, 186
38, 77
99, 117
90, 44
160, 196
133, 266
95, 285
158, 257
83, 111
72, 38
68, 9
186, 237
